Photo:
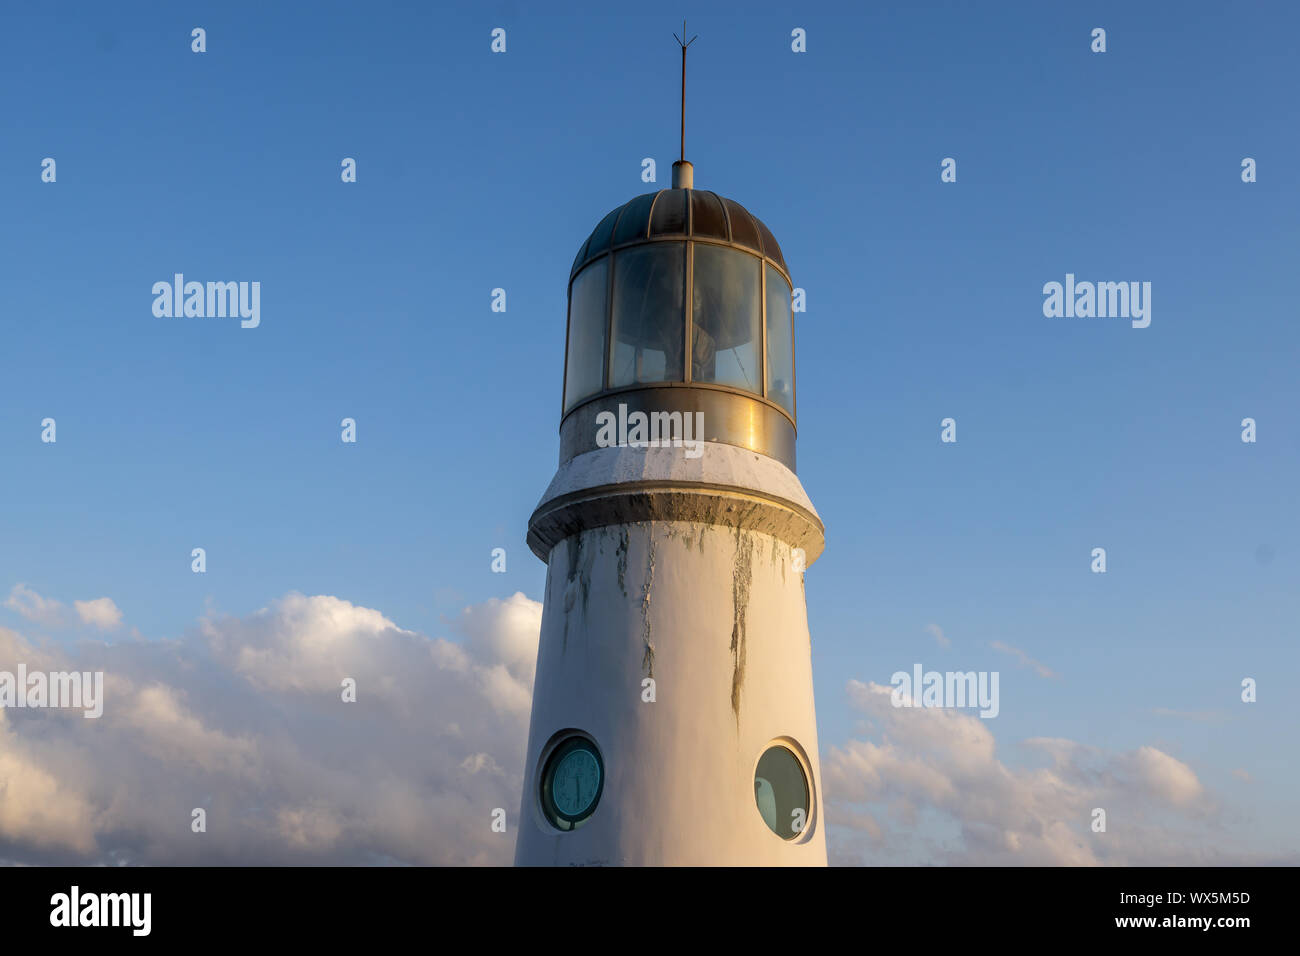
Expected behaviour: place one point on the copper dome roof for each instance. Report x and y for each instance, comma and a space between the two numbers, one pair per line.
685, 213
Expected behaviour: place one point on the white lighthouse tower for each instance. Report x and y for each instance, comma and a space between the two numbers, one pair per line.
673, 719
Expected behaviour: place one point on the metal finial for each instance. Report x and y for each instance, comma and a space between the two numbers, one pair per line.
684, 44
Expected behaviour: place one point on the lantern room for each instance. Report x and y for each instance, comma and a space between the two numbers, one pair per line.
680, 300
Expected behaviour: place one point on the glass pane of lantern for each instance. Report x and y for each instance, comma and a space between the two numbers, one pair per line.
780, 342
649, 326
585, 366
725, 338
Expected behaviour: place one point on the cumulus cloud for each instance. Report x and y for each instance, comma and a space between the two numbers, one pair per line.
928, 787
35, 803
101, 613
245, 719
938, 635
35, 608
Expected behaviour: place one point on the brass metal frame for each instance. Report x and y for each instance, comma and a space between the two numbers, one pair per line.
731, 415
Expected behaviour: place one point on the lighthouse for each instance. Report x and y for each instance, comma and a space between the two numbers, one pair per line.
673, 720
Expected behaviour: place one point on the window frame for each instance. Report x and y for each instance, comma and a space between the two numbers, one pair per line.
688, 316
611, 345
792, 747
547, 762
568, 335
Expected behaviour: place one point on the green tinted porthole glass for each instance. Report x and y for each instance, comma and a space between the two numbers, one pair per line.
781, 792
571, 784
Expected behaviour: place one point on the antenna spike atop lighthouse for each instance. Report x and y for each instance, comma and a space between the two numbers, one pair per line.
683, 172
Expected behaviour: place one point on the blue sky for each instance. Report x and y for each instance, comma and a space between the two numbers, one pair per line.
924, 299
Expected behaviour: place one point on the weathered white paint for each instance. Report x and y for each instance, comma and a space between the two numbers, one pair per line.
719, 464
715, 612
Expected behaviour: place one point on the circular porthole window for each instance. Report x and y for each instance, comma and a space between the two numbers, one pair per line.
572, 781
781, 792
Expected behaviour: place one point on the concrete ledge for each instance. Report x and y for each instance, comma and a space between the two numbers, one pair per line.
726, 485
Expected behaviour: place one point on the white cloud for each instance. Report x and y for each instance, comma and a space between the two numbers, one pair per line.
101, 613
245, 719
34, 607
929, 788
34, 803
1164, 777
939, 636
